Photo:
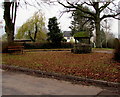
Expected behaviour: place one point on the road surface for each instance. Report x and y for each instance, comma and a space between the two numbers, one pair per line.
16, 83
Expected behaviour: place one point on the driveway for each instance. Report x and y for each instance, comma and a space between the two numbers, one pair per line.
16, 83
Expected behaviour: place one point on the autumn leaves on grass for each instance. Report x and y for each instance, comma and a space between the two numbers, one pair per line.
98, 66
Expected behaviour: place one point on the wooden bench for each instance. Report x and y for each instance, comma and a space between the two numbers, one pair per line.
14, 49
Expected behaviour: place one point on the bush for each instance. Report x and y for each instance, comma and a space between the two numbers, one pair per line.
47, 45
35, 45
110, 43
117, 50
81, 48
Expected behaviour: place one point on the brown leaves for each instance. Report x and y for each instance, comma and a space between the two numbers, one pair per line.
98, 66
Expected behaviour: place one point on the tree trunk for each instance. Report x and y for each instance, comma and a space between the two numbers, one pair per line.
31, 36
36, 30
98, 35
97, 25
106, 43
10, 35
9, 26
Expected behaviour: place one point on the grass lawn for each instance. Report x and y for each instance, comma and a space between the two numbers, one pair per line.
98, 66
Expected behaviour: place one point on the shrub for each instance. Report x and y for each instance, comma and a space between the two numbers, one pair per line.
64, 40
117, 50
82, 48
110, 43
36, 45
46, 45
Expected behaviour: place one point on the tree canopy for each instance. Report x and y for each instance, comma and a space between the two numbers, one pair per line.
96, 13
33, 28
80, 23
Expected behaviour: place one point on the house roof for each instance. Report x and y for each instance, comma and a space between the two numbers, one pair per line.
67, 34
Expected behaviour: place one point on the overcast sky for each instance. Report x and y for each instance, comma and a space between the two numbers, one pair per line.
24, 13
49, 11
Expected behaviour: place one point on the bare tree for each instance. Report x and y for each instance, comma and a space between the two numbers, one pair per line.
10, 11
106, 25
96, 14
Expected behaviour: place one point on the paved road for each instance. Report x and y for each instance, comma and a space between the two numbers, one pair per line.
15, 83
101, 51
19, 83
39, 50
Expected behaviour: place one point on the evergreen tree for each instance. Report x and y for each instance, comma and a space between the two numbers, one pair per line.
54, 35
80, 23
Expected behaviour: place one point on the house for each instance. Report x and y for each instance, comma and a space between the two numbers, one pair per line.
67, 35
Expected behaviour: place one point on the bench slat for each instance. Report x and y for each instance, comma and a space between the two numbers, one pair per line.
16, 47
13, 49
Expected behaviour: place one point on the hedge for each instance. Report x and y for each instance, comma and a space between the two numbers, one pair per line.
36, 45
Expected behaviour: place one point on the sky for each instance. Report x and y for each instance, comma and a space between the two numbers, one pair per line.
48, 11
24, 13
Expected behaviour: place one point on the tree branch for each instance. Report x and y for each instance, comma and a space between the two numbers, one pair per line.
89, 4
79, 8
90, 17
29, 33
85, 22
15, 12
103, 7
112, 16
72, 6
111, 9
12, 9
